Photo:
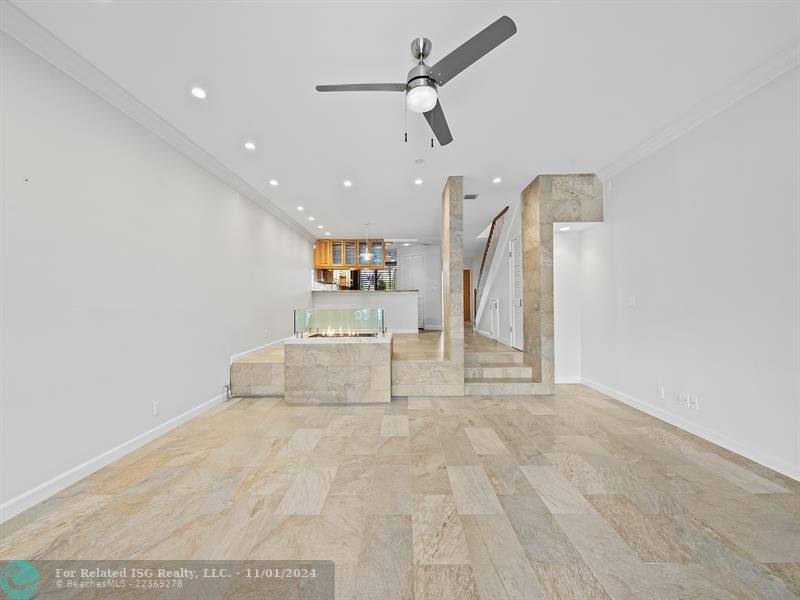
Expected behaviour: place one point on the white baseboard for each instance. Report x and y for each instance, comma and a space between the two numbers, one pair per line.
403, 330
262, 347
753, 454
569, 379
484, 333
43, 491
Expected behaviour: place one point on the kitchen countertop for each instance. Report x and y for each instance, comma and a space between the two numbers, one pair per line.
364, 291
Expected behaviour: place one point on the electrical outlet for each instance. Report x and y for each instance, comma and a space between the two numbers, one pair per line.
683, 398
694, 402
661, 392
156, 407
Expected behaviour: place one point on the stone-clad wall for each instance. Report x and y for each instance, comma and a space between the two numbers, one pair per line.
331, 371
453, 271
549, 199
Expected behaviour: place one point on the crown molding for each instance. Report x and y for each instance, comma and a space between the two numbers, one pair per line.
27, 31
756, 78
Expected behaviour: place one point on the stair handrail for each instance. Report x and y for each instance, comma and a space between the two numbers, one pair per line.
489, 250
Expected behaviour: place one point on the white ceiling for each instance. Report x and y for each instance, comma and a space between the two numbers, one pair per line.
578, 86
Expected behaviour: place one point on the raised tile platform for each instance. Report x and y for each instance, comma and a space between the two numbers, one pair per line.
258, 373
338, 370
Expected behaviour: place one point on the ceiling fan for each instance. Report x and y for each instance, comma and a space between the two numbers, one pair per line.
423, 80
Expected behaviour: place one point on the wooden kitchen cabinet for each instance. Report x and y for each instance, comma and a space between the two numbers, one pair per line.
322, 254
349, 254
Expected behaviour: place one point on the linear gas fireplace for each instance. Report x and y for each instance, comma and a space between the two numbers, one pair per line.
338, 322
342, 334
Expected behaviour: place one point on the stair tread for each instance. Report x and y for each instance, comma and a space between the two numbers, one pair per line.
498, 380
498, 366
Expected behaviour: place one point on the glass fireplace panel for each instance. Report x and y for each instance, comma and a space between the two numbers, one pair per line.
338, 322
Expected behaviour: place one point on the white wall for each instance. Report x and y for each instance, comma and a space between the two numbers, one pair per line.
703, 237
130, 275
432, 281
567, 300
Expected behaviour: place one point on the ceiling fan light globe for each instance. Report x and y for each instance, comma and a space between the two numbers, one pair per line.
421, 99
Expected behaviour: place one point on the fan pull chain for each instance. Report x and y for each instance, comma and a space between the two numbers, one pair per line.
433, 118
405, 121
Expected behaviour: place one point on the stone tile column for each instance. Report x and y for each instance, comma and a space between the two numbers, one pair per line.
549, 199
453, 274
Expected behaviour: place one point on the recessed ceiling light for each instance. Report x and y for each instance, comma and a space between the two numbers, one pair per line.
250, 146
419, 161
327, 233
273, 182
418, 182
348, 183
496, 180
300, 208
320, 227
310, 218
406, 244
199, 93
567, 228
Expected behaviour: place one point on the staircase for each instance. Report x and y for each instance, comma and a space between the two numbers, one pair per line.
495, 232
497, 374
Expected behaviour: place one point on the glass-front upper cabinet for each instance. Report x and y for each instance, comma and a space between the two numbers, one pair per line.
364, 254
350, 252
377, 252
336, 253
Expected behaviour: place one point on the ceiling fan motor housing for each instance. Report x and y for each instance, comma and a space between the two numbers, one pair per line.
420, 75
420, 48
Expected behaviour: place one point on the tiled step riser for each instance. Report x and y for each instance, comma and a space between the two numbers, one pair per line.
501, 389
488, 372
492, 358
257, 379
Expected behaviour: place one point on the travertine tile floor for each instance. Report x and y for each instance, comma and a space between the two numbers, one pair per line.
572, 496
273, 354
429, 345
425, 345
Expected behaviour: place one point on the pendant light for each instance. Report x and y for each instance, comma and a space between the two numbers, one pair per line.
366, 255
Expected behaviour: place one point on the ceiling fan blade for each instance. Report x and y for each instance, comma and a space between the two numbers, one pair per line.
363, 87
473, 49
435, 118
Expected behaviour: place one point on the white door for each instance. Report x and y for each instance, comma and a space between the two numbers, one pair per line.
515, 277
411, 276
